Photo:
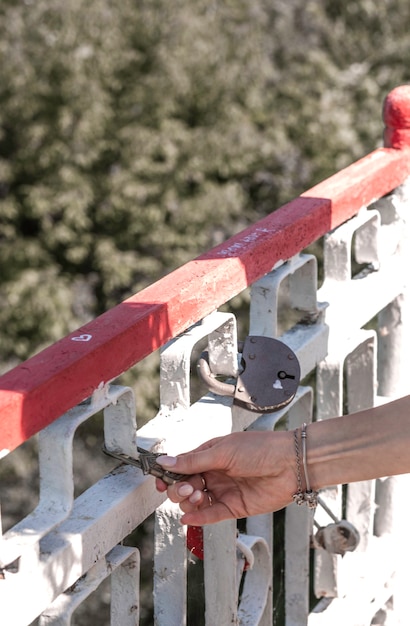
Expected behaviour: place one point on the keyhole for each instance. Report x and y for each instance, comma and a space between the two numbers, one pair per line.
282, 375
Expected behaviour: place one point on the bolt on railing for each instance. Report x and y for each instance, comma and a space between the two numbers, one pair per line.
61, 551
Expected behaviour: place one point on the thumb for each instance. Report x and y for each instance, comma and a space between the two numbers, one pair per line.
190, 462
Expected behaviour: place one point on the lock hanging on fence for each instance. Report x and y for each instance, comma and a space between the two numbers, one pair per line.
269, 376
338, 537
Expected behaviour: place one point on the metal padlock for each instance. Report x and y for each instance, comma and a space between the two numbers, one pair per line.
337, 538
268, 380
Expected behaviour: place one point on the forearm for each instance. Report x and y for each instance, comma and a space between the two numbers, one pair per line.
364, 445
250, 473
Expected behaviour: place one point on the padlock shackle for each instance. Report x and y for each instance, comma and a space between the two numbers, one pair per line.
214, 385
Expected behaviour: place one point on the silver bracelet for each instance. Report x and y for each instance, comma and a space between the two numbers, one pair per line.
308, 496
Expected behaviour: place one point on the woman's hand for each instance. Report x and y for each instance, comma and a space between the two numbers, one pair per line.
235, 476
250, 473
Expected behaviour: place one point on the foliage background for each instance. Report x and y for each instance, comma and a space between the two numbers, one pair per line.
134, 135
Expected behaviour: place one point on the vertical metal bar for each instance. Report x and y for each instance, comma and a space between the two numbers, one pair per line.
175, 366
361, 391
221, 598
120, 422
298, 528
393, 367
125, 592
170, 567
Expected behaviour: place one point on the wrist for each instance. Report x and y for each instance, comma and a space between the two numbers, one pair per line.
280, 456
304, 494
353, 447
327, 454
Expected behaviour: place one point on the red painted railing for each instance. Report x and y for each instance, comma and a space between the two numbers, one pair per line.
39, 390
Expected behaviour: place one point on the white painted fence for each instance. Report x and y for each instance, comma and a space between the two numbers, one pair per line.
351, 338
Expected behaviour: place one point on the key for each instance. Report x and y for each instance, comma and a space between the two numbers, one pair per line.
148, 464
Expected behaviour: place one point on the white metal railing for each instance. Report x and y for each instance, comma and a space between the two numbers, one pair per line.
352, 333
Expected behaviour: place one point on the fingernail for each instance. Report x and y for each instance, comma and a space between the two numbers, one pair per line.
166, 461
196, 497
185, 490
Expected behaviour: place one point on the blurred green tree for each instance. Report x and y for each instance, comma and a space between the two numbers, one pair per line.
135, 135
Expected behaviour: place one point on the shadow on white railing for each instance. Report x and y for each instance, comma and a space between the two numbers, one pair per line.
351, 333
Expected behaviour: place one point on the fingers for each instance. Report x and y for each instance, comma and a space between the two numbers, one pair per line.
188, 493
194, 499
160, 485
197, 504
180, 491
208, 515
194, 462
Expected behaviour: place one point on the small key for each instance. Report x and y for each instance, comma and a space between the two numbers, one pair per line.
147, 462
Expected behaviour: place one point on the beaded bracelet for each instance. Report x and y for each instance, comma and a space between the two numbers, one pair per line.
308, 496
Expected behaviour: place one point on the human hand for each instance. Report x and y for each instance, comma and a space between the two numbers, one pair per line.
235, 476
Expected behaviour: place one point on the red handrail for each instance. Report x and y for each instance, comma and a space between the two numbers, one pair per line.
36, 392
